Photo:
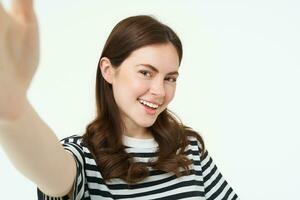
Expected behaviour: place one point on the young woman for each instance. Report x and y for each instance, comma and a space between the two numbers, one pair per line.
135, 148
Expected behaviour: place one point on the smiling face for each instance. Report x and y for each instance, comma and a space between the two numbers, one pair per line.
143, 85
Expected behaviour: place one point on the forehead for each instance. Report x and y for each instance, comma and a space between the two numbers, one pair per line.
163, 56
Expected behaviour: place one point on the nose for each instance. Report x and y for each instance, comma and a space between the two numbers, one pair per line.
158, 88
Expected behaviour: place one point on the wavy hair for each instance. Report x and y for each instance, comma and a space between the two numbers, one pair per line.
103, 135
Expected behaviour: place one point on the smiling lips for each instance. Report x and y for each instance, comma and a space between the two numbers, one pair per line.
149, 104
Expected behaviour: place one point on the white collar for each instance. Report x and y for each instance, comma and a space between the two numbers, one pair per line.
138, 142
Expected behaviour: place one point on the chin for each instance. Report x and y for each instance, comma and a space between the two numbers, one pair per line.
146, 124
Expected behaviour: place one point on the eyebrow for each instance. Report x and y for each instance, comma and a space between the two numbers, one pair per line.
156, 70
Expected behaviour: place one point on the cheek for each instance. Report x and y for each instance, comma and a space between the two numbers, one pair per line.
170, 93
139, 86
128, 83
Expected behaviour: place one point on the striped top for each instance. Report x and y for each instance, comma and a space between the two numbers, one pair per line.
203, 182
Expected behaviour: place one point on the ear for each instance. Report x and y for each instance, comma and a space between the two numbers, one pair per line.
107, 69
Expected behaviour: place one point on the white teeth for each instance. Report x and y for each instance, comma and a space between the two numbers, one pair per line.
148, 104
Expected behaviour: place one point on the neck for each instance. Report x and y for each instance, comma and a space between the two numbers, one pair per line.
140, 135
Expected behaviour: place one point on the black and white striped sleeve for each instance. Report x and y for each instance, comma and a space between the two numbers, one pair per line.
216, 187
72, 145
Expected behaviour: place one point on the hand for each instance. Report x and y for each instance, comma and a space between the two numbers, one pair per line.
19, 55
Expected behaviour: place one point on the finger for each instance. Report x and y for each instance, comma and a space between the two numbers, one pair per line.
2, 20
23, 9
2, 13
22, 5
1, 8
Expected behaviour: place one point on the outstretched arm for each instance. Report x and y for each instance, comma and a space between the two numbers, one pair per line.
29, 143
19, 55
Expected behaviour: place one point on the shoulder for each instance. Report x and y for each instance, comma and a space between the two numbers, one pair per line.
72, 140
75, 145
194, 137
77, 139
194, 141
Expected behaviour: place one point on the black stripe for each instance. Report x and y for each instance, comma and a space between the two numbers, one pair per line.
211, 173
39, 194
234, 197
88, 155
143, 154
183, 195
148, 184
207, 165
93, 179
193, 142
100, 193
150, 154
213, 183
227, 194
160, 190
218, 192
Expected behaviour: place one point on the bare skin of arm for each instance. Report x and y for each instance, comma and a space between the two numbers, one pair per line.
29, 143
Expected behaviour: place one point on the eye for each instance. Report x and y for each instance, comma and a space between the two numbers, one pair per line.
145, 73
171, 79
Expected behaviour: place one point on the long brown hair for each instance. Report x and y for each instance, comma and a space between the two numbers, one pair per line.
103, 135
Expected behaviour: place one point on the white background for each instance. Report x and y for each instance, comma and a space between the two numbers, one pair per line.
238, 86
